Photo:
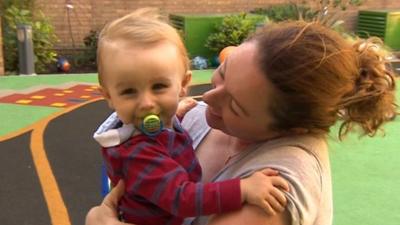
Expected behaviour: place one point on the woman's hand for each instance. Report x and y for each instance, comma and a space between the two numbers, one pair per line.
106, 213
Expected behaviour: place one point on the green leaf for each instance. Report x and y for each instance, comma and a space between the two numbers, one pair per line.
232, 31
43, 36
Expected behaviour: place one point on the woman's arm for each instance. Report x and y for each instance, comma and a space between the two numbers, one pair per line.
250, 215
309, 197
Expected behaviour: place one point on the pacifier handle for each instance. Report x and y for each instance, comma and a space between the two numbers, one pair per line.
151, 125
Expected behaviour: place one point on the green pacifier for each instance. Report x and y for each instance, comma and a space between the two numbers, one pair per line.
152, 125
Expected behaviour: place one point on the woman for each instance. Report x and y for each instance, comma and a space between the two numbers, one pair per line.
273, 102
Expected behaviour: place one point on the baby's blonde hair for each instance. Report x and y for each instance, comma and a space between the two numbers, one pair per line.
143, 27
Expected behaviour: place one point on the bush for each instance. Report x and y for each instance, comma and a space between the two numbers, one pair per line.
300, 11
287, 11
233, 31
43, 38
89, 56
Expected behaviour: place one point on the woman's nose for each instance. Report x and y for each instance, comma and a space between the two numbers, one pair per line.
213, 96
216, 94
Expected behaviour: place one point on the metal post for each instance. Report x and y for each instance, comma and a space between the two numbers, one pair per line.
25, 50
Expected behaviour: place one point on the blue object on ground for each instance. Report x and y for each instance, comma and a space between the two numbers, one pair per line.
199, 63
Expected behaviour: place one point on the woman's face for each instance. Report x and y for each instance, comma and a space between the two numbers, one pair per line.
239, 102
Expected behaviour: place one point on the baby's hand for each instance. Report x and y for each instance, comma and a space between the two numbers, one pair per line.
184, 106
265, 189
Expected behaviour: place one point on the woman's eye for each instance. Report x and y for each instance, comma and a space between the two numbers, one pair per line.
233, 108
128, 91
159, 86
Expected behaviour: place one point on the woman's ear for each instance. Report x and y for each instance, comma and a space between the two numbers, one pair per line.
106, 96
185, 83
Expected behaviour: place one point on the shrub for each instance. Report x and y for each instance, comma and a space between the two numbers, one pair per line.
89, 55
233, 30
43, 37
301, 11
287, 11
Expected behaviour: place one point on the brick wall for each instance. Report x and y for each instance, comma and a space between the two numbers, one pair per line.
93, 14
1, 52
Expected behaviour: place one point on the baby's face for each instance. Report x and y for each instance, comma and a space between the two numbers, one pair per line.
142, 81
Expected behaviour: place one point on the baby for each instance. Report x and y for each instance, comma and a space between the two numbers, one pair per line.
143, 74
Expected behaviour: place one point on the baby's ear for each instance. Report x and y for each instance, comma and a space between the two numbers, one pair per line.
106, 96
185, 83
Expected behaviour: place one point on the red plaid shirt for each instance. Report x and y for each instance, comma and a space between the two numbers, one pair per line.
162, 180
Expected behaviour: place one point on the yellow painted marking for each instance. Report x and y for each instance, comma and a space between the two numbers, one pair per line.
50, 117
23, 101
55, 203
59, 94
58, 104
89, 89
38, 97
57, 114
94, 87
68, 91
85, 96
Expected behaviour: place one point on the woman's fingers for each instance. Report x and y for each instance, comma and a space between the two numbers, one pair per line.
111, 200
106, 213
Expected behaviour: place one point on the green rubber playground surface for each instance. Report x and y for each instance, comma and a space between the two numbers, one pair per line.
22, 82
19, 116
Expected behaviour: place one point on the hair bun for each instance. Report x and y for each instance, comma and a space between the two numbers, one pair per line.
372, 98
